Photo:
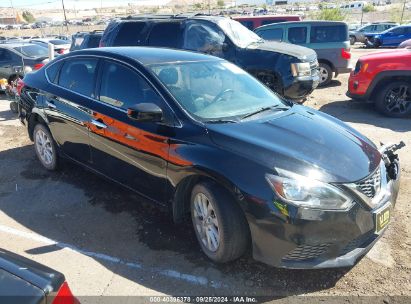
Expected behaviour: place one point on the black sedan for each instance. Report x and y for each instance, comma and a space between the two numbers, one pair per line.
200, 135
23, 281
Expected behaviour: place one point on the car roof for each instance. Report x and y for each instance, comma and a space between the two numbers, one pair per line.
14, 45
170, 18
148, 55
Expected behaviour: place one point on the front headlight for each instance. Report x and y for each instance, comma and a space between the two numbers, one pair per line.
304, 192
301, 69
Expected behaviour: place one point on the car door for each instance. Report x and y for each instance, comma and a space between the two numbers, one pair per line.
130, 152
67, 107
6, 63
394, 36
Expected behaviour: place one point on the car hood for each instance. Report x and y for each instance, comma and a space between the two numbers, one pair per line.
393, 54
294, 50
302, 141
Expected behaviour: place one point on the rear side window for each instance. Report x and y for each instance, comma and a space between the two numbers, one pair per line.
334, 33
78, 76
297, 35
53, 70
166, 35
272, 34
129, 34
124, 88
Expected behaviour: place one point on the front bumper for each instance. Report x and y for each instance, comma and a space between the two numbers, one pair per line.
301, 87
308, 238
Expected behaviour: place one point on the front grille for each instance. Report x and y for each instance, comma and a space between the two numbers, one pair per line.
371, 185
306, 252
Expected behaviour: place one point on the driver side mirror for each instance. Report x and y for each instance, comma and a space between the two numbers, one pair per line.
145, 112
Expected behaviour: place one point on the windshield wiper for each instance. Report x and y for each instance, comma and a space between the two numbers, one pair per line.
263, 110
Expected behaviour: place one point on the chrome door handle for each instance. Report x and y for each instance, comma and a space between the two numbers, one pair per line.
50, 105
98, 124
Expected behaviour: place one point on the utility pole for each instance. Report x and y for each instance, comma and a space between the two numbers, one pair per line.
65, 16
403, 9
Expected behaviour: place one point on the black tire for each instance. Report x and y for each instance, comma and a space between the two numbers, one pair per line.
233, 229
326, 74
50, 146
353, 40
394, 99
14, 107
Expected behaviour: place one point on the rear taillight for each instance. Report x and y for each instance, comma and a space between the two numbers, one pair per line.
38, 66
20, 86
65, 296
346, 54
62, 51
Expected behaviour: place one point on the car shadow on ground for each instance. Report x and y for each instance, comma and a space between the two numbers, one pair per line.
333, 83
7, 115
73, 206
365, 113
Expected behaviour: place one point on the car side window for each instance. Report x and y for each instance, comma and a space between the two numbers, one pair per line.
5, 55
129, 34
204, 38
124, 88
78, 75
398, 31
272, 34
166, 34
332, 33
52, 71
297, 35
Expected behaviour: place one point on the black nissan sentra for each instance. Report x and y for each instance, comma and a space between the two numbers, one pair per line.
201, 136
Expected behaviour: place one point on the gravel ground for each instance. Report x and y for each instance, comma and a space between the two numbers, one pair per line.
107, 241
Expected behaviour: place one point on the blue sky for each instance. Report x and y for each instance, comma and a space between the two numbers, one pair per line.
70, 4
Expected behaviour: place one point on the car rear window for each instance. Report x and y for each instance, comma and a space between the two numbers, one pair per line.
93, 41
33, 51
272, 34
330, 33
129, 34
166, 35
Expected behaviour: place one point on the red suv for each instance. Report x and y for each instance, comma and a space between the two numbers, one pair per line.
384, 79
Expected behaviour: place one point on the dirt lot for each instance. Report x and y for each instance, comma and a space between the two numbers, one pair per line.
108, 242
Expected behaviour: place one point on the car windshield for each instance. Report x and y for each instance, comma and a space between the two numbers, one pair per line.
238, 33
32, 50
216, 90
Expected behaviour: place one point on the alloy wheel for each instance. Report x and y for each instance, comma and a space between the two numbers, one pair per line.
44, 147
323, 75
398, 99
206, 222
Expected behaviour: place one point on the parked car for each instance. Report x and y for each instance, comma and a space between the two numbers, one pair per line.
291, 71
86, 40
25, 281
327, 38
405, 44
373, 28
384, 79
17, 59
60, 46
392, 37
202, 136
252, 22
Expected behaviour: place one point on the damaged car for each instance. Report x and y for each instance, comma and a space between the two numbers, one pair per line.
203, 137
